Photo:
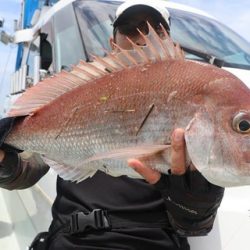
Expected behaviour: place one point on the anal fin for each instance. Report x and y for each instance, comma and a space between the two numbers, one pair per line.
70, 173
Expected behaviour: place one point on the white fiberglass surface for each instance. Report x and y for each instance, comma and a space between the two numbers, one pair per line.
232, 226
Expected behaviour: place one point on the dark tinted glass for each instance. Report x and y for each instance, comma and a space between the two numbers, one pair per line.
95, 20
208, 35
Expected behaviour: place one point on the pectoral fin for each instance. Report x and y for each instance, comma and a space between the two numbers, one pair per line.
129, 152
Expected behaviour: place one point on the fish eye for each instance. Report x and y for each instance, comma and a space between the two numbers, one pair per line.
244, 126
241, 123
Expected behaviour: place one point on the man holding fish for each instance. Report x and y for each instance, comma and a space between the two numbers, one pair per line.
106, 212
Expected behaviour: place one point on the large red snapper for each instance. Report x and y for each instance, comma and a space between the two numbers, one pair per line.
127, 105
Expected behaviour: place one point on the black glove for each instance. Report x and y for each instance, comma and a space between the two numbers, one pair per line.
191, 202
5, 127
10, 154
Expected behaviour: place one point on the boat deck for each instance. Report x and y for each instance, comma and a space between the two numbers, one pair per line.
8, 240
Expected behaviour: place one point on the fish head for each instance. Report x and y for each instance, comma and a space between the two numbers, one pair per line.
218, 136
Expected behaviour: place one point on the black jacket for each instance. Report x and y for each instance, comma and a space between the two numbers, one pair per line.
121, 196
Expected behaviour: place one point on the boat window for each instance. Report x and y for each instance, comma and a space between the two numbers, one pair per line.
208, 35
67, 40
95, 20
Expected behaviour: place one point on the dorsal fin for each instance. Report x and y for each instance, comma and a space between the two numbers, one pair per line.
51, 88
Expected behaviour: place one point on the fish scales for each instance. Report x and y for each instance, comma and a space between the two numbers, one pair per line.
116, 120
132, 111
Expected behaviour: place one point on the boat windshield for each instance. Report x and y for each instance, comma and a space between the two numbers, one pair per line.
200, 33
191, 31
95, 20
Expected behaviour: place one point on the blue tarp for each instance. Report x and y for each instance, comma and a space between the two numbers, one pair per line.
29, 8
